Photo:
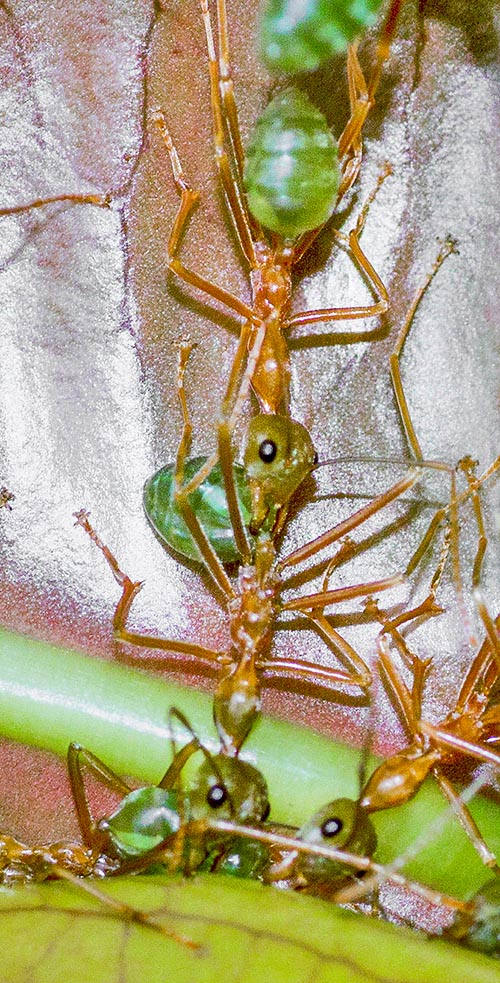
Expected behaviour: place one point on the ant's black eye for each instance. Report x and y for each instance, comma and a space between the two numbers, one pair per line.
315, 458
216, 796
265, 814
331, 827
268, 451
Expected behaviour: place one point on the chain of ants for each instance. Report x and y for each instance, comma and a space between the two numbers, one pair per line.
436, 742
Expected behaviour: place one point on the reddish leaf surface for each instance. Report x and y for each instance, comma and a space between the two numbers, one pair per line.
91, 323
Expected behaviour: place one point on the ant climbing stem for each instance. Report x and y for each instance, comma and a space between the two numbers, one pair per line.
269, 347
278, 456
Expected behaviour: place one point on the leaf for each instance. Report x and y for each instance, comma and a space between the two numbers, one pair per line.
227, 919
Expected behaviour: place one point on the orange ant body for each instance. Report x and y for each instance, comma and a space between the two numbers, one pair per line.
468, 729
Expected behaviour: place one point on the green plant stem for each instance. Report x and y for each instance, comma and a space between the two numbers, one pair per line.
51, 696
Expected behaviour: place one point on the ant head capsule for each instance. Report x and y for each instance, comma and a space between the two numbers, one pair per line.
279, 454
344, 825
229, 788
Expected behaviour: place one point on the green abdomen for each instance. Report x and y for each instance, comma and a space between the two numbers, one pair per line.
298, 37
209, 504
291, 169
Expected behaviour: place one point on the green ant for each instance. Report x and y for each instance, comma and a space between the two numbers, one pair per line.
150, 826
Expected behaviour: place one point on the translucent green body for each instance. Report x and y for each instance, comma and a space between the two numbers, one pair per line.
298, 37
209, 504
291, 169
240, 858
144, 818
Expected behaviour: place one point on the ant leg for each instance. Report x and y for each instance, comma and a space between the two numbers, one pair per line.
350, 141
181, 491
339, 594
362, 99
490, 626
448, 739
102, 201
188, 199
125, 911
226, 88
481, 676
6, 497
450, 513
225, 114
182, 756
347, 525
130, 588
450, 246
351, 244
447, 248
465, 819
249, 348
226, 461
357, 518
78, 756
428, 608
467, 465
408, 702
358, 673
238, 390
405, 700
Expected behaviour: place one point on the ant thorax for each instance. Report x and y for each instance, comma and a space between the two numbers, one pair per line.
252, 610
271, 282
271, 297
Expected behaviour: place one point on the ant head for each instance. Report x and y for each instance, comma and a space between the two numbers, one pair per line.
228, 788
279, 455
222, 787
342, 824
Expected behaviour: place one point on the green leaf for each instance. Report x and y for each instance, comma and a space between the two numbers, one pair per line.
248, 933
